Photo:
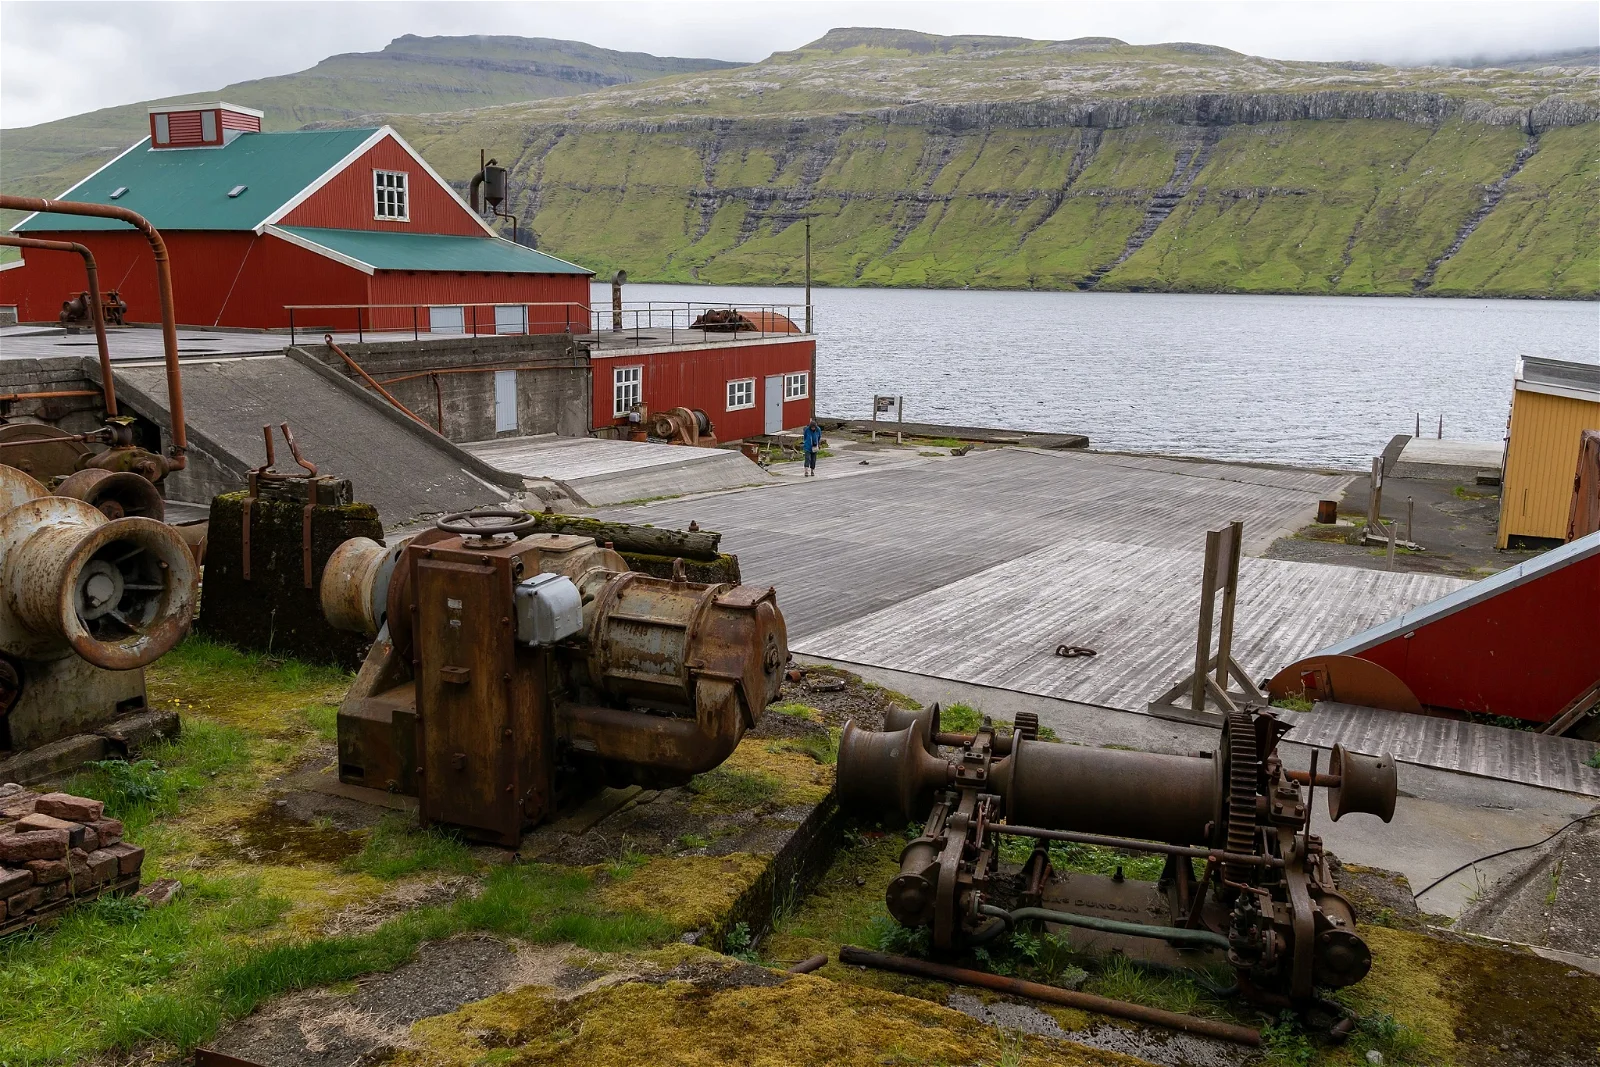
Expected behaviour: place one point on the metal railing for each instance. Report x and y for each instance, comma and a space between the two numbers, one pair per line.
653, 322
481, 319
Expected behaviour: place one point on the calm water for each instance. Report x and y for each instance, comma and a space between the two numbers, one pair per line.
1322, 381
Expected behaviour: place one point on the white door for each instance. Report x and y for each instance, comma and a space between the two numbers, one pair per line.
511, 318
774, 401
505, 400
447, 320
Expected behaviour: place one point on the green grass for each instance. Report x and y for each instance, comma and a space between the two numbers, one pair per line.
1593, 761
168, 776
172, 975
727, 787
822, 748
398, 847
324, 719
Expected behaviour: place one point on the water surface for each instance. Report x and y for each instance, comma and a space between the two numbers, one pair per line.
1312, 381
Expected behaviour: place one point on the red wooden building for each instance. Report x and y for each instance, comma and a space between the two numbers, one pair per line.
257, 223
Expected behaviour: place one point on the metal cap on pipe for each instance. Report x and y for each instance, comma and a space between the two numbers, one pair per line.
1367, 784
119, 593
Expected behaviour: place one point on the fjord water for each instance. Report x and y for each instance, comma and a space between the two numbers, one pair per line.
1309, 381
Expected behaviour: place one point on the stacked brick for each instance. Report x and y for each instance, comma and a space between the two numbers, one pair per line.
56, 848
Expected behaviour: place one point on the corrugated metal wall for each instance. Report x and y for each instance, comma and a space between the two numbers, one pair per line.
564, 297
183, 127
699, 378
1541, 460
346, 202
233, 120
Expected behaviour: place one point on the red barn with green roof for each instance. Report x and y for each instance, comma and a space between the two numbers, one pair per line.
258, 222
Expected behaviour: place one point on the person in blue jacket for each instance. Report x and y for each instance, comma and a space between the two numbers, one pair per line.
811, 441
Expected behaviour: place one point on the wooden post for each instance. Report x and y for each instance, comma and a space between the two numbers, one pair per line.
1390, 561
1411, 504
1208, 603
1375, 494
1230, 592
808, 274
899, 419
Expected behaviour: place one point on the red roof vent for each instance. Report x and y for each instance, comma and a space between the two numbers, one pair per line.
200, 125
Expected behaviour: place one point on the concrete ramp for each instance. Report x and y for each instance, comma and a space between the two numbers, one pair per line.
406, 472
599, 472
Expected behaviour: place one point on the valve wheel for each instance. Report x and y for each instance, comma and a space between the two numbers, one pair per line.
471, 524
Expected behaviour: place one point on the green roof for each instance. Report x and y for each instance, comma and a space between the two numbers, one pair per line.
391, 250
187, 188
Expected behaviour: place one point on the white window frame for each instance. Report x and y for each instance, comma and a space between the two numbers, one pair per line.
745, 389
384, 188
797, 386
627, 389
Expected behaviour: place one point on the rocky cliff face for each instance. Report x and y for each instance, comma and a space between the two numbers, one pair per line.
1389, 192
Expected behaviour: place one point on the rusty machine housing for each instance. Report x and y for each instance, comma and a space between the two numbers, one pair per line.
513, 673
93, 587
1263, 902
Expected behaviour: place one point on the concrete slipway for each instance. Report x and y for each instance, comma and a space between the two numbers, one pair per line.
956, 578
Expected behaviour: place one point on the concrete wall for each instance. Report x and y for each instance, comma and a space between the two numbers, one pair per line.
450, 383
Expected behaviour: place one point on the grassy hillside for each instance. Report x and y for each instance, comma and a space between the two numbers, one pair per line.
411, 76
1004, 163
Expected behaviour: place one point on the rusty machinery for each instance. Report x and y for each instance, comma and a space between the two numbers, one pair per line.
86, 601
513, 672
46, 451
682, 426
1264, 902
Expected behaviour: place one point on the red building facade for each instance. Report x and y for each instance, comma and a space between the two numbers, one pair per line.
747, 388
259, 223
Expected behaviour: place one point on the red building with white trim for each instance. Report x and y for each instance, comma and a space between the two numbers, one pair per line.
256, 223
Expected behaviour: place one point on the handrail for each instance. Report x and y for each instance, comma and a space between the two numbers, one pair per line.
327, 339
97, 313
169, 319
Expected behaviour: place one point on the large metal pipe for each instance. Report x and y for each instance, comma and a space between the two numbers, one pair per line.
1119, 1009
169, 320
97, 314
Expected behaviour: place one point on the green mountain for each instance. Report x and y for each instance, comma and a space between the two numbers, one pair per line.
973, 161
410, 76
1004, 162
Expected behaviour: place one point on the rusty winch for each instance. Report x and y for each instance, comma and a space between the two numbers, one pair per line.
91, 594
513, 673
1262, 900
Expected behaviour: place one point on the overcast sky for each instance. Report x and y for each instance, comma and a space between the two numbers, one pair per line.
59, 59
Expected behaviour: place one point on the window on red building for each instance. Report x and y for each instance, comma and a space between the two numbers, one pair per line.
389, 196
626, 388
741, 394
797, 386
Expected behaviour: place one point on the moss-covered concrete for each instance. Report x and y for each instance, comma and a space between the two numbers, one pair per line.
273, 611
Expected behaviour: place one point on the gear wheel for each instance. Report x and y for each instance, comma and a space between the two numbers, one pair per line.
1026, 725
1244, 773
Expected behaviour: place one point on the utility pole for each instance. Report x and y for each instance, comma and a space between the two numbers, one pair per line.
808, 274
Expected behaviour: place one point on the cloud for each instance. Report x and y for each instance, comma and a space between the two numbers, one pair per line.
62, 59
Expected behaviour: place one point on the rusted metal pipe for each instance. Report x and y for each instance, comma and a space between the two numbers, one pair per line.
52, 394
327, 339
1330, 781
97, 313
1130, 845
169, 319
1119, 1009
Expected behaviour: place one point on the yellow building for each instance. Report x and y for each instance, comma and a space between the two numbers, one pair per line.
1552, 403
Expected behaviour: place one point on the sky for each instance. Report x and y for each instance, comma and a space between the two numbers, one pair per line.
63, 58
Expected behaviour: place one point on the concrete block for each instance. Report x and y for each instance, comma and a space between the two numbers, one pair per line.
47, 872
129, 857
26, 900
54, 758
40, 821
37, 845
14, 881
132, 732
74, 809
273, 608
104, 865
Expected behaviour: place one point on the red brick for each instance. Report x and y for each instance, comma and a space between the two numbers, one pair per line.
37, 821
103, 865
74, 809
53, 893
37, 845
14, 881
17, 807
129, 857
46, 872
109, 830
24, 901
